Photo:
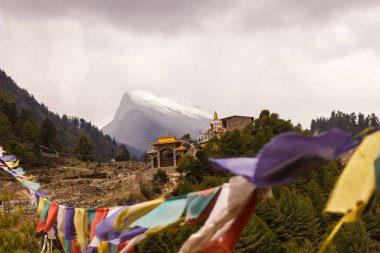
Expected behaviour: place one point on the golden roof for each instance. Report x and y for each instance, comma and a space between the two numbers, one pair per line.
165, 140
180, 148
152, 151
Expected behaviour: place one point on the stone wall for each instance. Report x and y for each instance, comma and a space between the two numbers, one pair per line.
236, 122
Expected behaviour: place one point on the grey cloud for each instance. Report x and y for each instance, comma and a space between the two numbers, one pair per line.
169, 16
236, 57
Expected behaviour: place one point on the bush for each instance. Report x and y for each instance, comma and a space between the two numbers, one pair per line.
160, 177
16, 235
149, 190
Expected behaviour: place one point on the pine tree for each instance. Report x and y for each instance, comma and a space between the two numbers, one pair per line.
294, 247
352, 238
29, 131
84, 148
372, 219
301, 220
123, 155
6, 133
156, 244
48, 133
257, 237
269, 211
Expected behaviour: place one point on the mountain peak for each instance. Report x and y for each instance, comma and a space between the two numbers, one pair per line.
165, 105
143, 116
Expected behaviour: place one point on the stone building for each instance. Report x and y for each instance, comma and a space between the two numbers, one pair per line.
236, 122
220, 126
166, 151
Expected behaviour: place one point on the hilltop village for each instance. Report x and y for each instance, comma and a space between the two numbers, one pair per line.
167, 150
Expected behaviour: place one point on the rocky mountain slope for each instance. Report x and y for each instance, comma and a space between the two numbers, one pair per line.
142, 117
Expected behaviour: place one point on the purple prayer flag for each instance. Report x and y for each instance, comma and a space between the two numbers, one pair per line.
69, 224
8, 158
105, 230
42, 193
288, 156
92, 250
127, 235
243, 166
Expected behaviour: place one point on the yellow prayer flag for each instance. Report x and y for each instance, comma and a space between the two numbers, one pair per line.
81, 227
355, 186
12, 164
103, 248
41, 206
134, 212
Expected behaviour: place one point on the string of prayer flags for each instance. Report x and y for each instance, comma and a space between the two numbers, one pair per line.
356, 185
167, 213
131, 213
288, 156
226, 209
199, 204
230, 203
1, 151
10, 160
95, 242
100, 215
51, 216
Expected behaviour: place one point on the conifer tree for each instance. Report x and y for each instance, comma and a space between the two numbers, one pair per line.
269, 212
301, 220
123, 155
48, 133
353, 238
257, 237
6, 133
29, 131
84, 148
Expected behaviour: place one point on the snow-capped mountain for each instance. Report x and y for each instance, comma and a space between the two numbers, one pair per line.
142, 117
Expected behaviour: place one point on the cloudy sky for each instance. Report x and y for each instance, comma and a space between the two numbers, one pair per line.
299, 58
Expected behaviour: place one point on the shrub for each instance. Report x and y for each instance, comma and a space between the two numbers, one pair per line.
160, 177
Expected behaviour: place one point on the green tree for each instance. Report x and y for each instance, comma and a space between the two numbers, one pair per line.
301, 219
16, 234
123, 154
29, 130
6, 133
84, 148
372, 219
22, 153
257, 237
269, 211
294, 247
186, 137
8, 107
352, 237
157, 244
196, 168
231, 144
160, 177
48, 133
146, 158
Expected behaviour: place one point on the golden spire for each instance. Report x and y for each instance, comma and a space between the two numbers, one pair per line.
216, 116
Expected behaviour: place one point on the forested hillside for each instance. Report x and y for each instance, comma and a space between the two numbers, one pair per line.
293, 220
348, 122
26, 125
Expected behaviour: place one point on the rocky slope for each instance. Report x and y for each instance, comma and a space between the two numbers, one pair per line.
142, 117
